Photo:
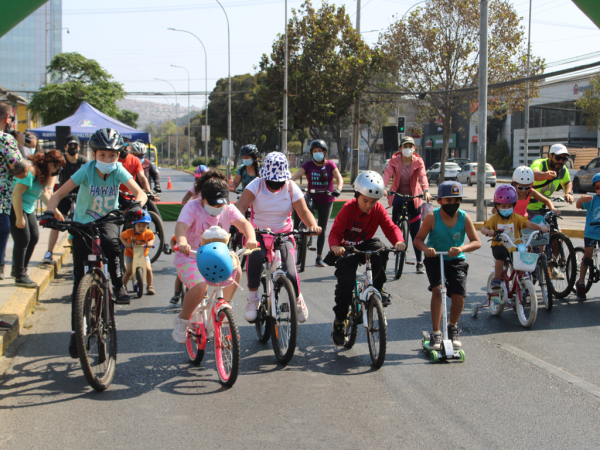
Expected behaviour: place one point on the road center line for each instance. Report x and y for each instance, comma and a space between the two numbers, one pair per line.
566, 376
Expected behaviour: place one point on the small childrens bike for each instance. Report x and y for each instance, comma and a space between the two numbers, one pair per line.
403, 224
139, 268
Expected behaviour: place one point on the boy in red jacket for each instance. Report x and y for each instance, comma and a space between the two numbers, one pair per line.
355, 225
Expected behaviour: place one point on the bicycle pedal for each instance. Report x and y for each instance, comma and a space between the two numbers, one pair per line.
410, 263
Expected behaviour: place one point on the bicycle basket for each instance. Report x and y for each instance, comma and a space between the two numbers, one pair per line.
525, 261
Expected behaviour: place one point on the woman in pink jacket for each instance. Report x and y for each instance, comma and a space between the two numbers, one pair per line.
408, 173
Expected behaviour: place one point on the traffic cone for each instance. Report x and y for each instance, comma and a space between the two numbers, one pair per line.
231, 181
169, 185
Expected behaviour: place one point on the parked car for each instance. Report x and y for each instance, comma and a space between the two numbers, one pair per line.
433, 174
468, 175
582, 179
460, 161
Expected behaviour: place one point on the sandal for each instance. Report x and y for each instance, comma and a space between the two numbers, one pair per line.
151, 290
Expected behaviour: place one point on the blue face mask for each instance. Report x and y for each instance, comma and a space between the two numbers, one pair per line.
505, 212
141, 158
106, 168
318, 157
247, 162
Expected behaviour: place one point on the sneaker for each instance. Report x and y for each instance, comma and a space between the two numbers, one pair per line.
496, 292
150, 290
386, 298
175, 298
26, 282
319, 262
581, 291
5, 325
435, 341
337, 333
420, 267
453, 334
73, 347
180, 331
302, 309
251, 309
556, 274
47, 258
122, 297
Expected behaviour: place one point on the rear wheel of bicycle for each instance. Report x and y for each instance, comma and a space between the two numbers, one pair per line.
578, 255
543, 278
262, 315
284, 327
158, 229
227, 347
526, 303
194, 353
139, 281
401, 256
562, 268
95, 332
376, 330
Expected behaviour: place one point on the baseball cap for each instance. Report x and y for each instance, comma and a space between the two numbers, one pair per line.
72, 139
449, 189
218, 198
407, 140
559, 149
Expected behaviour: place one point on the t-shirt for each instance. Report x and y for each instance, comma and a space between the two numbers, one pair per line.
442, 238
97, 197
273, 209
131, 165
70, 169
9, 154
143, 238
198, 220
246, 178
320, 182
512, 226
404, 186
33, 192
592, 215
194, 195
547, 187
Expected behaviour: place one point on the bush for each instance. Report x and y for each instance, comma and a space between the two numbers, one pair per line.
499, 155
213, 163
294, 147
197, 161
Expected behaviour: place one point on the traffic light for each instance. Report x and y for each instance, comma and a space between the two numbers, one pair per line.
401, 124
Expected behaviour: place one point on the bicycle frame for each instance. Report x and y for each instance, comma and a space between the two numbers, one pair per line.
209, 306
273, 272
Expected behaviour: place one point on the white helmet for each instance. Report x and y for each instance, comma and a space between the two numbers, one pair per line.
369, 184
523, 175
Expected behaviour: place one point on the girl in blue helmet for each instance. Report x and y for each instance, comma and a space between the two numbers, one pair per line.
591, 234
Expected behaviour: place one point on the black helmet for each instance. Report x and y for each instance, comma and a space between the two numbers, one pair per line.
249, 150
106, 139
319, 143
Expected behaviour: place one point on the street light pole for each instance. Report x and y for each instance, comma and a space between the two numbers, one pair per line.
163, 130
481, 142
176, 129
229, 111
285, 87
356, 121
189, 115
205, 93
526, 130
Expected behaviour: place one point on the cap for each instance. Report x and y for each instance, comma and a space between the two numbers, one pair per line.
218, 198
72, 139
449, 189
559, 149
407, 140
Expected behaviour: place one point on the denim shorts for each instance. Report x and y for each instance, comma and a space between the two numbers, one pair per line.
589, 242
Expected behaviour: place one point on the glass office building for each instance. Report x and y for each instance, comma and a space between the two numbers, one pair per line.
27, 48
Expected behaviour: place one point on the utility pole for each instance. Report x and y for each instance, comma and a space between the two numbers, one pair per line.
482, 139
285, 87
355, 118
526, 131
229, 143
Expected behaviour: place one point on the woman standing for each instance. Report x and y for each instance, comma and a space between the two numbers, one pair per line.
320, 174
23, 224
410, 178
248, 171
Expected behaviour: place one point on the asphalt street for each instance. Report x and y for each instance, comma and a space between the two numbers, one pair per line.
507, 394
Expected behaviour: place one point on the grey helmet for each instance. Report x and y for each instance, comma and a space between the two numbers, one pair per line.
370, 184
138, 149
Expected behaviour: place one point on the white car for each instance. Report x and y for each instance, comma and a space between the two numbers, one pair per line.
468, 175
433, 174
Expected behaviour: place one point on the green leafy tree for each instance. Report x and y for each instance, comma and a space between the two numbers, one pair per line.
294, 147
128, 117
590, 103
498, 155
76, 79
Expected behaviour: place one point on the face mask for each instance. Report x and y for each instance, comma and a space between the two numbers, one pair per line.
106, 168
212, 211
247, 162
123, 154
505, 212
451, 209
275, 185
407, 152
72, 151
141, 158
318, 157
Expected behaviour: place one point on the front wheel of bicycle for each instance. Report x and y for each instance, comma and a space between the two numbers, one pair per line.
562, 268
543, 277
139, 282
227, 347
578, 255
351, 330
301, 249
526, 302
284, 327
401, 256
262, 315
158, 229
195, 354
376, 330
95, 332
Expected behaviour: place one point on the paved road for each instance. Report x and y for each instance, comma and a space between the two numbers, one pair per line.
325, 398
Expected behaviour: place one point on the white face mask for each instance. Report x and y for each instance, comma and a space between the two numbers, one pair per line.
407, 152
212, 211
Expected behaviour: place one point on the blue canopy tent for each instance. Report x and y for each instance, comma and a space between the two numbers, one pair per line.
85, 121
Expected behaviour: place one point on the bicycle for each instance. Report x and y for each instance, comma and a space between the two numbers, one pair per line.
517, 290
156, 226
277, 317
592, 274
139, 265
541, 275
366, 309
95, 326
403, 224
213, 319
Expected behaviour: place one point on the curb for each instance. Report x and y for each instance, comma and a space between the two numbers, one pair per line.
570, 232
19, 306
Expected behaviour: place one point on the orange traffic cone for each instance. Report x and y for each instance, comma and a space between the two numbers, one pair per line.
231, 181
169, 185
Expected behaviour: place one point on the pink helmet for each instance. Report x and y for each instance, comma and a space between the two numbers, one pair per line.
505, 194
200, 170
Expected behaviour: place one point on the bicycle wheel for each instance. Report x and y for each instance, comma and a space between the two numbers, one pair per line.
526, 303
562, 268
95, 332
401, 257
351, 330
139, 282
284, 327
543, 277
301, 248
191, 345
495, 308
376, 330
158, 229
227, 347
578, 254
262, 316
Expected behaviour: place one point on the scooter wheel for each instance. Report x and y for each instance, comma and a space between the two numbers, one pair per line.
474, 311
461, 354
434, 356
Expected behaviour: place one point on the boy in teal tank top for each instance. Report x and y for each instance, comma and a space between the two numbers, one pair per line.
445, 229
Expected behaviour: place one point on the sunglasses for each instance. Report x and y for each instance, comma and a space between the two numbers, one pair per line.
524, 188
560, 158
596, 187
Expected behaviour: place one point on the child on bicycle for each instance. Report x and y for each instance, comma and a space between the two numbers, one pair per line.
445, 229
196, 217
139, 234
356, 224
505, 199
522, 181
591, 234
273, 196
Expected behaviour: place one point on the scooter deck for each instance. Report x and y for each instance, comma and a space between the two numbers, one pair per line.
436, 356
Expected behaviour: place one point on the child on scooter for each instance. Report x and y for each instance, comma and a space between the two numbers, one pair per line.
446, 228
140, 234
591, 234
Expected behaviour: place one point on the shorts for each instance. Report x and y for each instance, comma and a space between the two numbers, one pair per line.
455, 271
129, 259
589, 242
189, 275
500, 252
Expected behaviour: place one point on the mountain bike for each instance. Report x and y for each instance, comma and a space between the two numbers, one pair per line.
402, 223
592, 274
156, 226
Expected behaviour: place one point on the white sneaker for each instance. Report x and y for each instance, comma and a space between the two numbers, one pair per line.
302, 309
180, 331
557, 274
47, 258
251, 309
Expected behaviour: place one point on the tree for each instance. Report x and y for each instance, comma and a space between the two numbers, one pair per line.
329, 66
128, 117
590, 103
437, 49
76, 79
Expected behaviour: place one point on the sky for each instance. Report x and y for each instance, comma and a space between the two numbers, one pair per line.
131, 41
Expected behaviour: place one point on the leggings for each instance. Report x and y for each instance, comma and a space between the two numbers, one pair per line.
254, 264
25, 240
324, 212
4, 233
414, 221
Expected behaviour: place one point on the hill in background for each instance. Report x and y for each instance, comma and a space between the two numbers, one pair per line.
155, 112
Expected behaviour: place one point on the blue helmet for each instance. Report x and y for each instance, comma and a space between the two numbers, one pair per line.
144, 219
595, 178
214, 262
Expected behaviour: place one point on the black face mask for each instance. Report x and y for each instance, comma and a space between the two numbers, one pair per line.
451, 208
123, 154
72, 150
275, 185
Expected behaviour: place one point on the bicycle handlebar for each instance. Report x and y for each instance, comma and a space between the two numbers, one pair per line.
501, 234
119, 217
334, 193
240, 252
353, 250
284, 234
405, 196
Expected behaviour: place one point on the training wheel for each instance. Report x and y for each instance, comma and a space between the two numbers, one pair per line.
474, 311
